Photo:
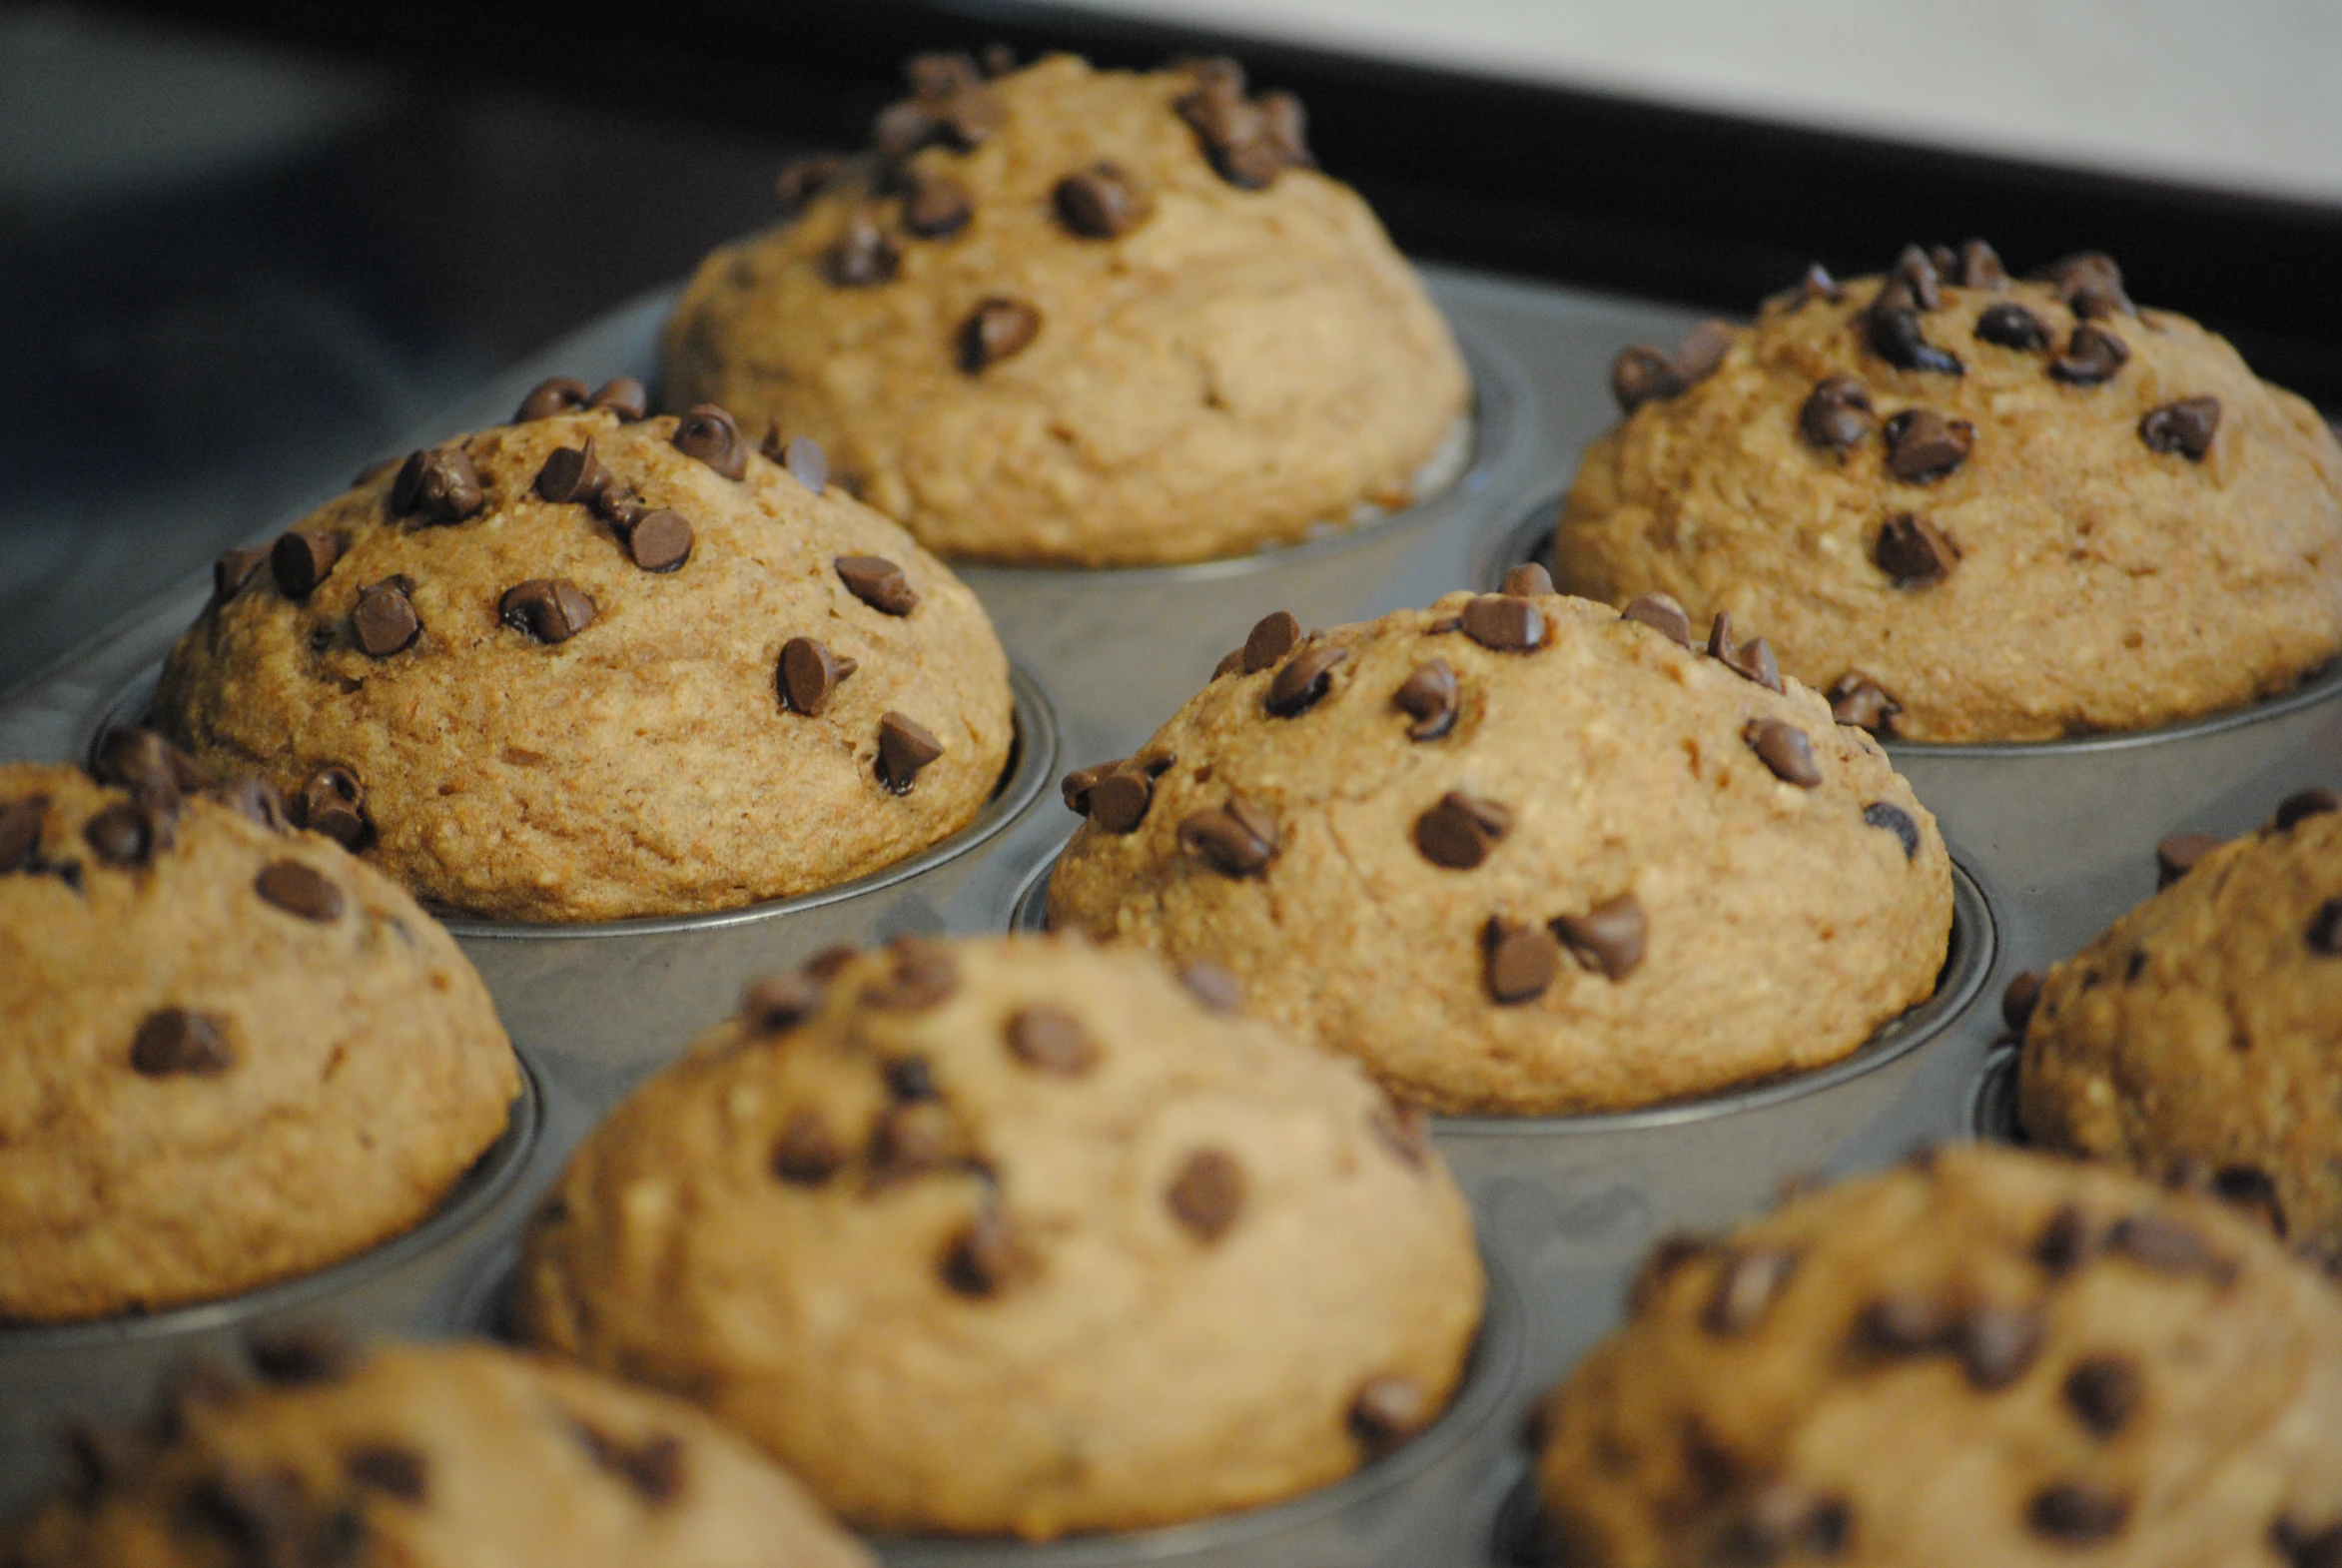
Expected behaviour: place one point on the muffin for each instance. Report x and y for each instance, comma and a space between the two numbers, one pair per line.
1016, 1237
457, 1455
592, 666
1083, 318
1522, 855
1974, 509
2201, 1038
232, 1053
1992, 1358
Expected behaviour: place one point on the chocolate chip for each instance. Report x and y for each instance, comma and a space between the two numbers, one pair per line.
1817, 284
923, 975
2066, 1241
995, 329
1922, 446
1897, 337
301, 559
779, 1003
234, 569
2249, 1189
1207, 1196
997, 59
1752, 661
809, 673
1432, 698
2305, 1548
2325, 929
1641, 374
1787, 1518
1607, 939
805, 1153
559, 395
101, 1460
1213, 986
437, 487
2166, 1247
2304, 804
142, 762
1662, 614
2093, 355
1386, 1412
302, 1357
935, 206
653, 1466
2103, 1392
806, 463
2186, 427
128, 834
1905, 1323
861, 256
2077, 1513
1744, 1289
1783, 747
1272, 636
1460, 830
2089, 283
910, 1079
712, 435
2011, 326
988, 1257
908, 1142
550, 609
1519, 963
1527, 581
384, 621
1503, 623
1101, 202
1050, 1040
1857, 699
2177, 855
1980, 267
1912, 282
571, 474
659, 541
173, 1040
298, 889
1247, 143
801, 178
623, 396
878, 583
1404, 1131
1836, 416
1238, 841
1997, 1343
904, 748
1701, 350
1303, 681
262, 1518
1893, 818
20, 833
390, 1469
1118, 802
333, 803
1076, 785
1914, 551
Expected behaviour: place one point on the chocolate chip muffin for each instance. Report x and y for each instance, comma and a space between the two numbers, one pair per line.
443, 1456
1085, 318
1522, 855
592, 666
1016, 1237
233, 1053
1974, 509
2201, 1038
1992, 1358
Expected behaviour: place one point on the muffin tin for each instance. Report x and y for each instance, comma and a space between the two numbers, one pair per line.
2052, 842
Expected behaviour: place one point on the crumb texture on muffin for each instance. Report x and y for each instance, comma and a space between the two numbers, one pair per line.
2010, 509
1016, 1238
1522, 855
1098, 319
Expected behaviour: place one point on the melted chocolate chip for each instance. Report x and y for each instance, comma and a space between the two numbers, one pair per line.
1207, 1196
1890, 818
779, 1003
234, 569
1211, 986
803, 178
710, 434
809, 675
995, 329
861, 256
1459, 831
1783, 747
1303, 681
1857, 699
905, 746
1503, 623
388, 1468
1752, 661
438, 487
1432, 698
2185, 428
2304, 804
1527, 581
1050, 1040
1662, 614
1922, 446
333, 803
172, 1041
2093, 357
560, 395
806, 1154
1607, 939
20, 833
1238, 841
2179, 854
1386, 1412
1997, 1345
935, 206
1897, 337
128, 834
1117, 803
1914, 551
2011, 326
1101, 202
1836, 416
2103, 1392
988, 1257
301, 559
1519, 963
1744, 1289
550, 609
384, 621
878, 583
2077, 1513
572, 474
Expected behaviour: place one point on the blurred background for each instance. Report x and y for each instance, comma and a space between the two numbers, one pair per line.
245, 246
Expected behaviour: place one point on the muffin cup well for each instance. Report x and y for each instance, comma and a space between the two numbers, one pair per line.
2067, 829
109, 1370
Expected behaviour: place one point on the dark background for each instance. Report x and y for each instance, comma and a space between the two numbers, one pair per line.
200, 336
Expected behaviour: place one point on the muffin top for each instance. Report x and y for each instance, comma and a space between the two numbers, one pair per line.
457, 1455
2197, 1037
1992, 1358
1016, 1236
1083, 318
1974, 509
1522, 855
232, 1053
592, 666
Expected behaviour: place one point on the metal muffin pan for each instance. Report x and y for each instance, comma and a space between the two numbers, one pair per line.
109, 1370
1570, 1204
